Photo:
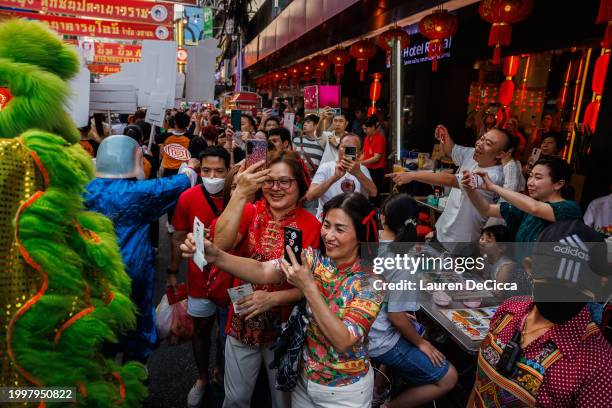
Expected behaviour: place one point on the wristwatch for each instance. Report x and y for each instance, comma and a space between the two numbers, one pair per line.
171, 272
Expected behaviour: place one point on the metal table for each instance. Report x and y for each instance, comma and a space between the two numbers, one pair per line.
463, 340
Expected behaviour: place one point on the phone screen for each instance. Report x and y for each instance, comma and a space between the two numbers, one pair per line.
293, 239
350, 151
236, 116
256, 151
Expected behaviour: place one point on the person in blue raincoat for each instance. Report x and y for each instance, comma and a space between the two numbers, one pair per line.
120, 193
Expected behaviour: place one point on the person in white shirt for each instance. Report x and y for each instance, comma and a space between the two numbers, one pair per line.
339, 124
599, 215
460, 221
513, 173
342, 176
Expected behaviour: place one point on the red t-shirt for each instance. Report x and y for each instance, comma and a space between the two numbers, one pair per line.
372, 145
264, 241
191, 204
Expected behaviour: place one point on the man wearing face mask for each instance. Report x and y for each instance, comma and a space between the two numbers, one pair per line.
204, 201
120, 192
545, 350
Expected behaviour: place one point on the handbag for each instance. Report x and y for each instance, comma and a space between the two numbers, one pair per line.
288, 349
288, 346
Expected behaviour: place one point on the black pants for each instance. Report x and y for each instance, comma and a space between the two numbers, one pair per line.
378, 177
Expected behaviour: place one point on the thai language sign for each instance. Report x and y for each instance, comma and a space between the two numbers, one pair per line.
101, 28
124, 10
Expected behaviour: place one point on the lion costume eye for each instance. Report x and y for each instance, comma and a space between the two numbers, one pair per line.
5, 97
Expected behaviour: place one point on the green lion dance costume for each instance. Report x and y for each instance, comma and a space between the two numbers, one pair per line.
63, 289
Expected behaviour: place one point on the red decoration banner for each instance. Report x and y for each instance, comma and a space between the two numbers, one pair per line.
124, 10
101, 28
104, 68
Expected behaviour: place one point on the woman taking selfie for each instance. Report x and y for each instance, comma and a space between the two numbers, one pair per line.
335, 371
256, 231
548, 188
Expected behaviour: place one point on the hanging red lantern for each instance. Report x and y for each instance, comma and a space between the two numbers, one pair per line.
339, 58
320, 64
597, 85
294, 73
503, 13
506, 91
385, 40
436, 27
591, 113
276, 79
375, 88
599, 73
605, 16
362, 51
307, 69
5, 97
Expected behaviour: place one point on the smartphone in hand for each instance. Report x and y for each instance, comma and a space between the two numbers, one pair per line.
350, 152
256, 151
293, 239
236, 119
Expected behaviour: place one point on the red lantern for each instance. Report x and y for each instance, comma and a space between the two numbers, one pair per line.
502, 13
307, 69
385, 39
276, 79
436, 27
590, 115
506, 90
5, 97
294, 73
374, 92
362, 51
320, 64
599, 74
339, 58
605, 16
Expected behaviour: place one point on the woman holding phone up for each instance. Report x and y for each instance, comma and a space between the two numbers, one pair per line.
342, 303
256, 231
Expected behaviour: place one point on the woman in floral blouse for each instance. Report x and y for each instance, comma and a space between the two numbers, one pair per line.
342, 303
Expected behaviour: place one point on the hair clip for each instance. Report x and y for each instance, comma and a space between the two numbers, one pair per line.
410, 221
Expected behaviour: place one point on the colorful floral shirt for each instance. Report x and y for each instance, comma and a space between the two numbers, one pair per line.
264, 241
350, 294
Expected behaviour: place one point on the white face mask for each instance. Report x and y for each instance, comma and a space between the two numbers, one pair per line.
213, 185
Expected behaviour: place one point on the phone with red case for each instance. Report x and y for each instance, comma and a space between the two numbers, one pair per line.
256, 151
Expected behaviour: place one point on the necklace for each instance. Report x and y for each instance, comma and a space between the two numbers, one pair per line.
524, 333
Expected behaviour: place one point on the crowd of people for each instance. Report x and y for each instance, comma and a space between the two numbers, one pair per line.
326, 178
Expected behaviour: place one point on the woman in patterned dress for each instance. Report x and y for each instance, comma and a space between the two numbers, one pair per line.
342, 303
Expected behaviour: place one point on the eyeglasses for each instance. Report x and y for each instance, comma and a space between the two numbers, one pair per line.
283, 184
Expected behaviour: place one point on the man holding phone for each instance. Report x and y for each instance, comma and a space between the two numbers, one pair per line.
347, 175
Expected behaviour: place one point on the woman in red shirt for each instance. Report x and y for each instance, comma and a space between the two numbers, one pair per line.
262, 313
374, 151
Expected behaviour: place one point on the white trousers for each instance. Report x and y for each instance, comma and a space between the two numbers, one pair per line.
242, 364
308, 394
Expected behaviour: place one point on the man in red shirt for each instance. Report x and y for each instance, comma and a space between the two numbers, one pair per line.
374, 152
204, 201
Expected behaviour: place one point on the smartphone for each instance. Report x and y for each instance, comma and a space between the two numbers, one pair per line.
256, 151
293, 239
236, 119
350, 152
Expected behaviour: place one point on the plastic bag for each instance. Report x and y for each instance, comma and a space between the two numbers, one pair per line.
182, 324
163, 318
